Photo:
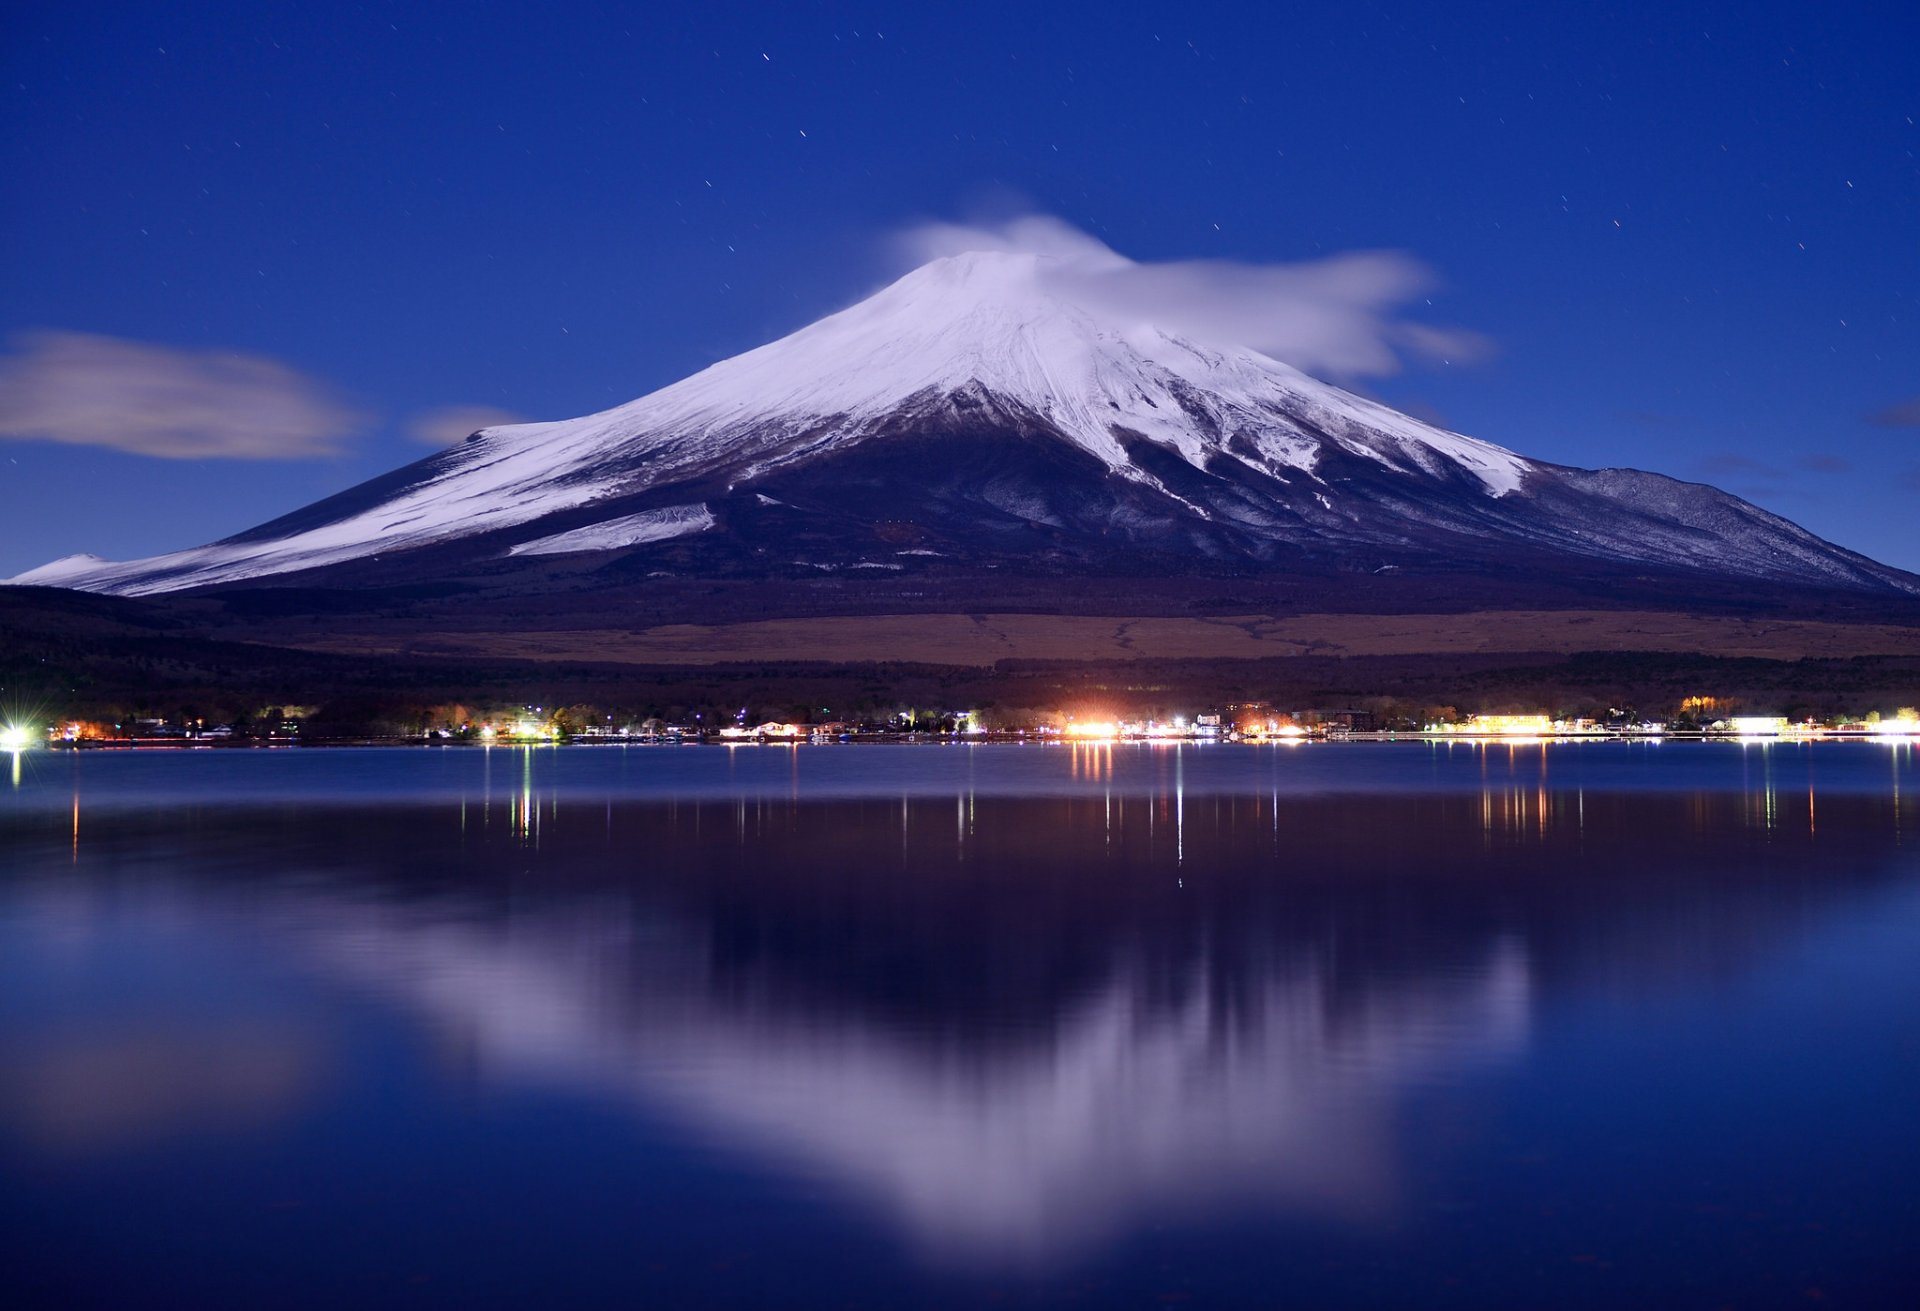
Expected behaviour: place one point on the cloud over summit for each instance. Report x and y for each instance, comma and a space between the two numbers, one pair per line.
1342, 315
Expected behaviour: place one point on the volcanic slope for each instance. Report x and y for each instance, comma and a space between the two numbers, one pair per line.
970, 421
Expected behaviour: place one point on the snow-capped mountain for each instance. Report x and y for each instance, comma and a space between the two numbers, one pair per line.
970, 415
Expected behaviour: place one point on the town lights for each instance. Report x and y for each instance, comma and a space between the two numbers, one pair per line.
1093, 729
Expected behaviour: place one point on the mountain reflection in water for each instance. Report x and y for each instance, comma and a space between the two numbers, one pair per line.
1014, 1030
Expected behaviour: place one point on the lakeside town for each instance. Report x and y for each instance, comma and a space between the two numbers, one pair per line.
1255, 721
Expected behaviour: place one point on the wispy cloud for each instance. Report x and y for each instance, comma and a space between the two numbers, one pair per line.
1825, 464
88, 390
1343, 315
1770, 483
1904, 415
1733, 465
451, 423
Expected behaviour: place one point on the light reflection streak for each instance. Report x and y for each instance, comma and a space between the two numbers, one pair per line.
1897, 762
1526, 801
1179, 805
523, 813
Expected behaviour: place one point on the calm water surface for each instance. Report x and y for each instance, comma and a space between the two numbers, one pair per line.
1336, 1025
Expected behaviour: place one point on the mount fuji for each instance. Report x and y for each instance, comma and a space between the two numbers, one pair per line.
972, 424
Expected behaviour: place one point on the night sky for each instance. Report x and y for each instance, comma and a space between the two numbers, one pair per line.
255, 253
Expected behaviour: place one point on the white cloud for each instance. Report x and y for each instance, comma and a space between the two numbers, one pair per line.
451, 423
1340, 315
89, 390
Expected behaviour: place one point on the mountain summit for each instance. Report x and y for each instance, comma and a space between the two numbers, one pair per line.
971, 416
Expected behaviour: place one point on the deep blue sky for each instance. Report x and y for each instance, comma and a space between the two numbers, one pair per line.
1693, 231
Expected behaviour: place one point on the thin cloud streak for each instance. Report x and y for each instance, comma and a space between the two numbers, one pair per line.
1904, 415
83, 389
1731, 464
1728, 464
1341, 315
1826, 464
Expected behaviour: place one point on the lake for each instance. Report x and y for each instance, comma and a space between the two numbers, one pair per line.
1329, 1025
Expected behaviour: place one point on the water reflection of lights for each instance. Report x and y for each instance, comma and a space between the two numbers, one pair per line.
1902, 755
1092, 760
1525, 811
1179, 807
523, 806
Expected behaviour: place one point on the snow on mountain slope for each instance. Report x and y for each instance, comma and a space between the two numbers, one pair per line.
628, 530
1222, 436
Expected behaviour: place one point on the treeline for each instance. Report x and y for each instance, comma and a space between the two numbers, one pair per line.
338, 698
